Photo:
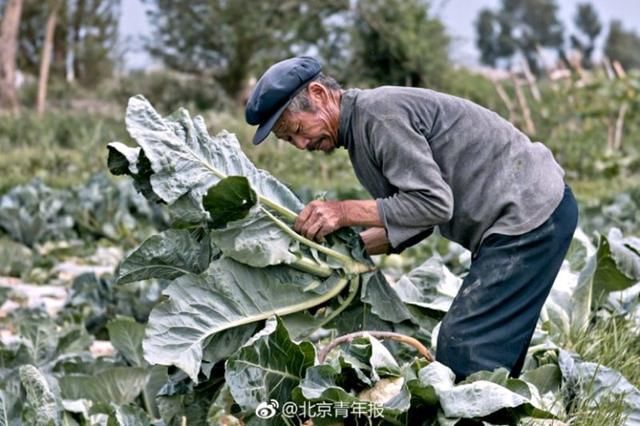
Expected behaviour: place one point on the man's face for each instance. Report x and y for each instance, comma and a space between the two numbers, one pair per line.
315, 130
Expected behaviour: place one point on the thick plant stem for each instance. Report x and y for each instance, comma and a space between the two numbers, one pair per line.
291, 309
347, 338
308, 265
349, 264
353, 290
283, 211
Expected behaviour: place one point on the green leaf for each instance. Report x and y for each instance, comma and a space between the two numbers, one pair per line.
126, 336
15, 259
227, 295
387, 398
129, 415
268, 367
187, 403
582, 300
577, 254
40, 396
6, 417
224, 344
618, 264
546, 378
185, 162
384, 301
229, 200
184, 158
369, 353
594, 383
122, 159
431, 286
254, 241
34, 213
480, 398
120, 385
167, 255
40, 335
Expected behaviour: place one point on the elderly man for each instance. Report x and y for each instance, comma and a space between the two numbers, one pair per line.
429, 159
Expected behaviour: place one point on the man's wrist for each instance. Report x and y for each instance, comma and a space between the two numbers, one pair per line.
375, 240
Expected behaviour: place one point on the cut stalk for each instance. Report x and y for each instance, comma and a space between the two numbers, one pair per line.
308, 265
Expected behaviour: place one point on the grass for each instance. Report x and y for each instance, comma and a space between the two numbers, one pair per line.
611, 342
614, 343
62, 148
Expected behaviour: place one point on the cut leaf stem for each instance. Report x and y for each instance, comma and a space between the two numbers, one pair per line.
348, 338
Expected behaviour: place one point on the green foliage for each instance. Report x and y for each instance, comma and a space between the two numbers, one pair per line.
391, 41
588, 22
43, 402
59, 147
519, 26
623, 45
170, 90
228, 41
493, 37
100, 208
85, 38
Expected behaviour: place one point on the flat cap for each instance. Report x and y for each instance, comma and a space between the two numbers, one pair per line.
275, 90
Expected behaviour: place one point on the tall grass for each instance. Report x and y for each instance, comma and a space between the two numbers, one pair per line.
62, 148
612, 342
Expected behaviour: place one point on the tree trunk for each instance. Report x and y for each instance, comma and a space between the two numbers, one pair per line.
45, 62
8, 47
78, 19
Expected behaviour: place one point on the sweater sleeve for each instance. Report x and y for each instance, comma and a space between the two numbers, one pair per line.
423, 199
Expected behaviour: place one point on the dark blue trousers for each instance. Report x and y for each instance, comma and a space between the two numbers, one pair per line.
492, 319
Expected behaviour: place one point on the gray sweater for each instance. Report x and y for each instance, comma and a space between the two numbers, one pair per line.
432, 159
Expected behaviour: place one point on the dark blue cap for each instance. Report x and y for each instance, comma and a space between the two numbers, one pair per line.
275, 90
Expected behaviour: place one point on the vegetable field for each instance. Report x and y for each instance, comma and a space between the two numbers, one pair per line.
174, 291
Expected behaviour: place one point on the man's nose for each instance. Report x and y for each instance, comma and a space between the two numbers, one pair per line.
300, 142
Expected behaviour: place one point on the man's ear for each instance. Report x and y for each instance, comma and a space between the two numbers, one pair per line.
318, 92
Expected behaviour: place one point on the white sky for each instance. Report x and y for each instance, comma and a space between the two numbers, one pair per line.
458, 16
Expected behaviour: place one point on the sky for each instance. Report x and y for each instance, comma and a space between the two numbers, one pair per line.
458, 16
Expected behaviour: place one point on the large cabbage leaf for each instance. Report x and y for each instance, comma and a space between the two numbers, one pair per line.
228, 294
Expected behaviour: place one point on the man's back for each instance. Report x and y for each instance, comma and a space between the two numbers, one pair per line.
500, 181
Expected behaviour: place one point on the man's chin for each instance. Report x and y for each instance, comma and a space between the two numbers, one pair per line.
329, 151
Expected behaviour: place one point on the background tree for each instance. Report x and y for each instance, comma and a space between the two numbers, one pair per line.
229, 40
47, 48
521, 26
397, 42
8, 46
588, 22
84, 42
32, 38
494, 37
93, 37
623, 45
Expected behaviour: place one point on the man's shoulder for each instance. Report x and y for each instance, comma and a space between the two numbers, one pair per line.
390, 98
390, 94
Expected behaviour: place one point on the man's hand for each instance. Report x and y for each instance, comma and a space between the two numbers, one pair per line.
320, 218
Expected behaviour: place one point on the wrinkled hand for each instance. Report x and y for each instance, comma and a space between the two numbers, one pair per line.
320, 218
